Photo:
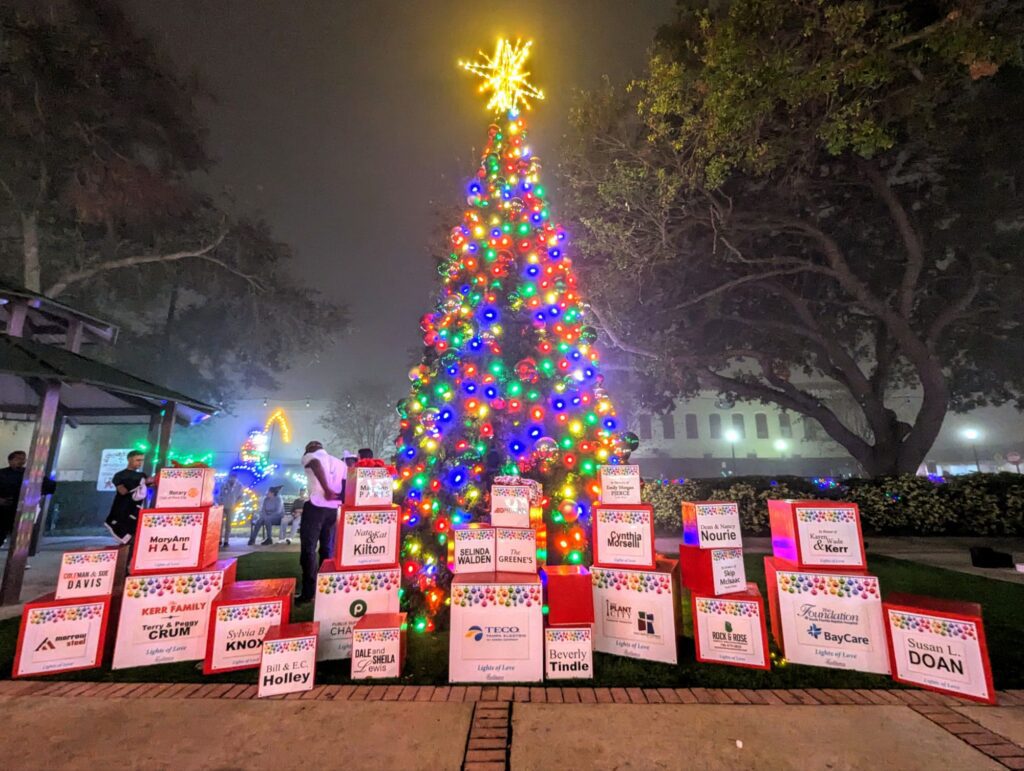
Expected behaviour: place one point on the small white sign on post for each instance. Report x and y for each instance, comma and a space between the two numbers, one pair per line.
620, 484
111, 461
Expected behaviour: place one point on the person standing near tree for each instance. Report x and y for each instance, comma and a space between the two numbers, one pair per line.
229, 497
131, 490
325, 475
10, 490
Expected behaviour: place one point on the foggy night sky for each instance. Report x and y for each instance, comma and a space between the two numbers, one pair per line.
347, 125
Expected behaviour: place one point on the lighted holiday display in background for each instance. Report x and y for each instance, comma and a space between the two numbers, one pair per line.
509, 383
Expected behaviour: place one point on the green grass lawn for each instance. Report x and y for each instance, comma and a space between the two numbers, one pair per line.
427, 662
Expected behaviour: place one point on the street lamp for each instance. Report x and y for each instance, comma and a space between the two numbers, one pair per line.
732, 436
781, 445
972, 435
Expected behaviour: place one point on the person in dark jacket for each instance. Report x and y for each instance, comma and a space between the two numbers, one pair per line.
123, 518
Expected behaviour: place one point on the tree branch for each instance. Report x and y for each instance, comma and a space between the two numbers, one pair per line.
84, 274
616, 340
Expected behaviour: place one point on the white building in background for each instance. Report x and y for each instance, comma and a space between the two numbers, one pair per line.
704, 434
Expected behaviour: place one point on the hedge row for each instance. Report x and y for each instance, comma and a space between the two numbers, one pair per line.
975, 504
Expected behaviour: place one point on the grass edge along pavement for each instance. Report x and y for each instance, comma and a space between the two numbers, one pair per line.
427, 659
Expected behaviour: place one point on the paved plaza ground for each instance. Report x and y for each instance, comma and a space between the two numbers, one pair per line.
191, 726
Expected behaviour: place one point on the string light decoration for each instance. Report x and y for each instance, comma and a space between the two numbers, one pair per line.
504, 77
509, 383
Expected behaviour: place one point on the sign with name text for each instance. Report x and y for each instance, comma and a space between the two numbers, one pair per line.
515, 549
472, 550
711, 525
939, 645
817, 534
623, 536
569, 653
176, 539
288, 660
165, 618
369, 486
368, 537
620, 485
378, 646
89, 572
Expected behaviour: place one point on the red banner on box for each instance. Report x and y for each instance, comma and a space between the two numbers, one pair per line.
176, 539
570, 596
939, 645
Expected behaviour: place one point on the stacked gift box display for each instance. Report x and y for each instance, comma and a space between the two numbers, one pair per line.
634, 592
66, 630
175, 576
361, 582
727, 612
496, 599
826, 610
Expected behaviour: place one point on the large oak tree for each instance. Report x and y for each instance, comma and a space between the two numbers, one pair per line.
806, 197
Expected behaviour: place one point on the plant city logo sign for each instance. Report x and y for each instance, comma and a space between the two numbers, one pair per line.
626, 621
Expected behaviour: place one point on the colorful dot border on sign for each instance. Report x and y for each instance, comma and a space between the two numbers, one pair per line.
631, 580
720, 555
624, 516
363, 580
375, 635
474, 534
728, 607
515, 533
172, 520
251, 611
289, 646
496, 595
820, 584
182, 473
182, 583
717, 509
65, 613
90, 557
620, 471
382, 517
567, 635
936, 625
826, 515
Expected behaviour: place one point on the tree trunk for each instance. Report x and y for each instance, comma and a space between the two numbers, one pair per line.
30, 251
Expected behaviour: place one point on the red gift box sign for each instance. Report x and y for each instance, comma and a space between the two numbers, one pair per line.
623, 536
61, 635
190, 487
939, 645
730, 629
176, 539
378, 646
712, 571
817, 534
369, 486
368, 537
570, 598
240, 618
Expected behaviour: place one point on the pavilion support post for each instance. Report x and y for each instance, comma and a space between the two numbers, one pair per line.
18, 318
51, 465
156, 421
28, 503
166, 429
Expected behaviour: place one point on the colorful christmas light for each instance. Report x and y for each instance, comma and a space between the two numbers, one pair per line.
509, 383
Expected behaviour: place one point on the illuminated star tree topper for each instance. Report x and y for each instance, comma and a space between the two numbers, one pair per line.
504, 77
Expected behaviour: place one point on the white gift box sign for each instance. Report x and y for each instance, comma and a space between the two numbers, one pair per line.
569, 653
473, 550
378, 646
634, 613
372, 486
496, 629
727, 570
731, 630
288, 660
510, 506
343, 597
191, 487
620, 484
516, 549
712, 525
87, 573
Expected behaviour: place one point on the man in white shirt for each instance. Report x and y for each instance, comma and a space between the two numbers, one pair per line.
325, 475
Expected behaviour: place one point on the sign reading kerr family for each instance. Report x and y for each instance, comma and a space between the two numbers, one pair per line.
624, 535
620, 484
496, 630
635, 613
368, 537
61, 636
88, 573
939, 645
165, 618
828, 619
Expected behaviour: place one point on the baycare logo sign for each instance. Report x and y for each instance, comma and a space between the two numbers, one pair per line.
834, 629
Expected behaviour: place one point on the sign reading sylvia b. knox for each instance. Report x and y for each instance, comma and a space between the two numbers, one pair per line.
624, 535
368, 537
238, 632
620, 484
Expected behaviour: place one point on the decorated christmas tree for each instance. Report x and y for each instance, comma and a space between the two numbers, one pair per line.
510, 381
